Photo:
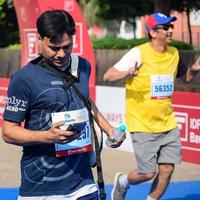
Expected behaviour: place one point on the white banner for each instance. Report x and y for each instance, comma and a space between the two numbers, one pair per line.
111, 103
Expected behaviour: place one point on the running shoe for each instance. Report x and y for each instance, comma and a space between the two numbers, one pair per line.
118, 191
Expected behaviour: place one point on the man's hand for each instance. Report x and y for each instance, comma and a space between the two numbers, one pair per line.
115, 144
196, 66
133, 71
57, 135
192, 70
118, 142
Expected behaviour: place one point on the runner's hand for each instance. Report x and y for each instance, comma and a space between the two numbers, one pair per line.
133, 71
118, 142
196, 66
57, 135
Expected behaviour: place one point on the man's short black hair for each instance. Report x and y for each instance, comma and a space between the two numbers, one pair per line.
54, 23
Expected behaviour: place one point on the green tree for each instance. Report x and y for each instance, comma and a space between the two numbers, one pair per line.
9, 33
90, 8
130, 9
187, 6
125, 10
165, 6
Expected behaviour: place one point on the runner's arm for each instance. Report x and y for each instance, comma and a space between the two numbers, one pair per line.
188, 73
13, 133
127, 66
105, 125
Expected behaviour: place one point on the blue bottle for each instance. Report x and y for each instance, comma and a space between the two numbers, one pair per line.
118, 134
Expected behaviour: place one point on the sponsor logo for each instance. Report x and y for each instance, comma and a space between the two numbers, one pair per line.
14, 104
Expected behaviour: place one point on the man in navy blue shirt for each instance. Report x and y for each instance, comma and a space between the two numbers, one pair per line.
51, 165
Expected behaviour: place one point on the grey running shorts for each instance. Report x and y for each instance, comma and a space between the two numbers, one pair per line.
151, 149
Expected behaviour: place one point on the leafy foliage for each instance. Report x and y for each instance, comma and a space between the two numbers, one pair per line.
125, 9
117, 43
181, 45
94, 11
90, 8
9, 33
183, 5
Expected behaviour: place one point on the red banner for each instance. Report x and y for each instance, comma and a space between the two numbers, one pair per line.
3, 93
187, 111
27, 14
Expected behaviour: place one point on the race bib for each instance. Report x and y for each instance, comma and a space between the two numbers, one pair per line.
79, 120
162, 86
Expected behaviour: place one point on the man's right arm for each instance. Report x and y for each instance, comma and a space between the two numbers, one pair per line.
13, 133
112, 74
127, 66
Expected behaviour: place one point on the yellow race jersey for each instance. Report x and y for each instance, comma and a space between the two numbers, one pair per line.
148, 95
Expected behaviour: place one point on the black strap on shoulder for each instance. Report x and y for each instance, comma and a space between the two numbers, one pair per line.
98, 147
69, 81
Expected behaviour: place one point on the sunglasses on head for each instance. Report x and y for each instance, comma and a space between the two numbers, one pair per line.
164, 27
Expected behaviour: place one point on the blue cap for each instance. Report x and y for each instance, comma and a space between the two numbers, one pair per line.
157, 19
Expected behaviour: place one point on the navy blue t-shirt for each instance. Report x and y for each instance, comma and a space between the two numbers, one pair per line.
34, 93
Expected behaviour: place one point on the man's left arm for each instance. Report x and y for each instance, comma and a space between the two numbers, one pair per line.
188, 73
105, 125
193, 70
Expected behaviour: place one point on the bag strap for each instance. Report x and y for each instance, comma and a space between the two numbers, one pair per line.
89, 108
98, 147
69, 80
